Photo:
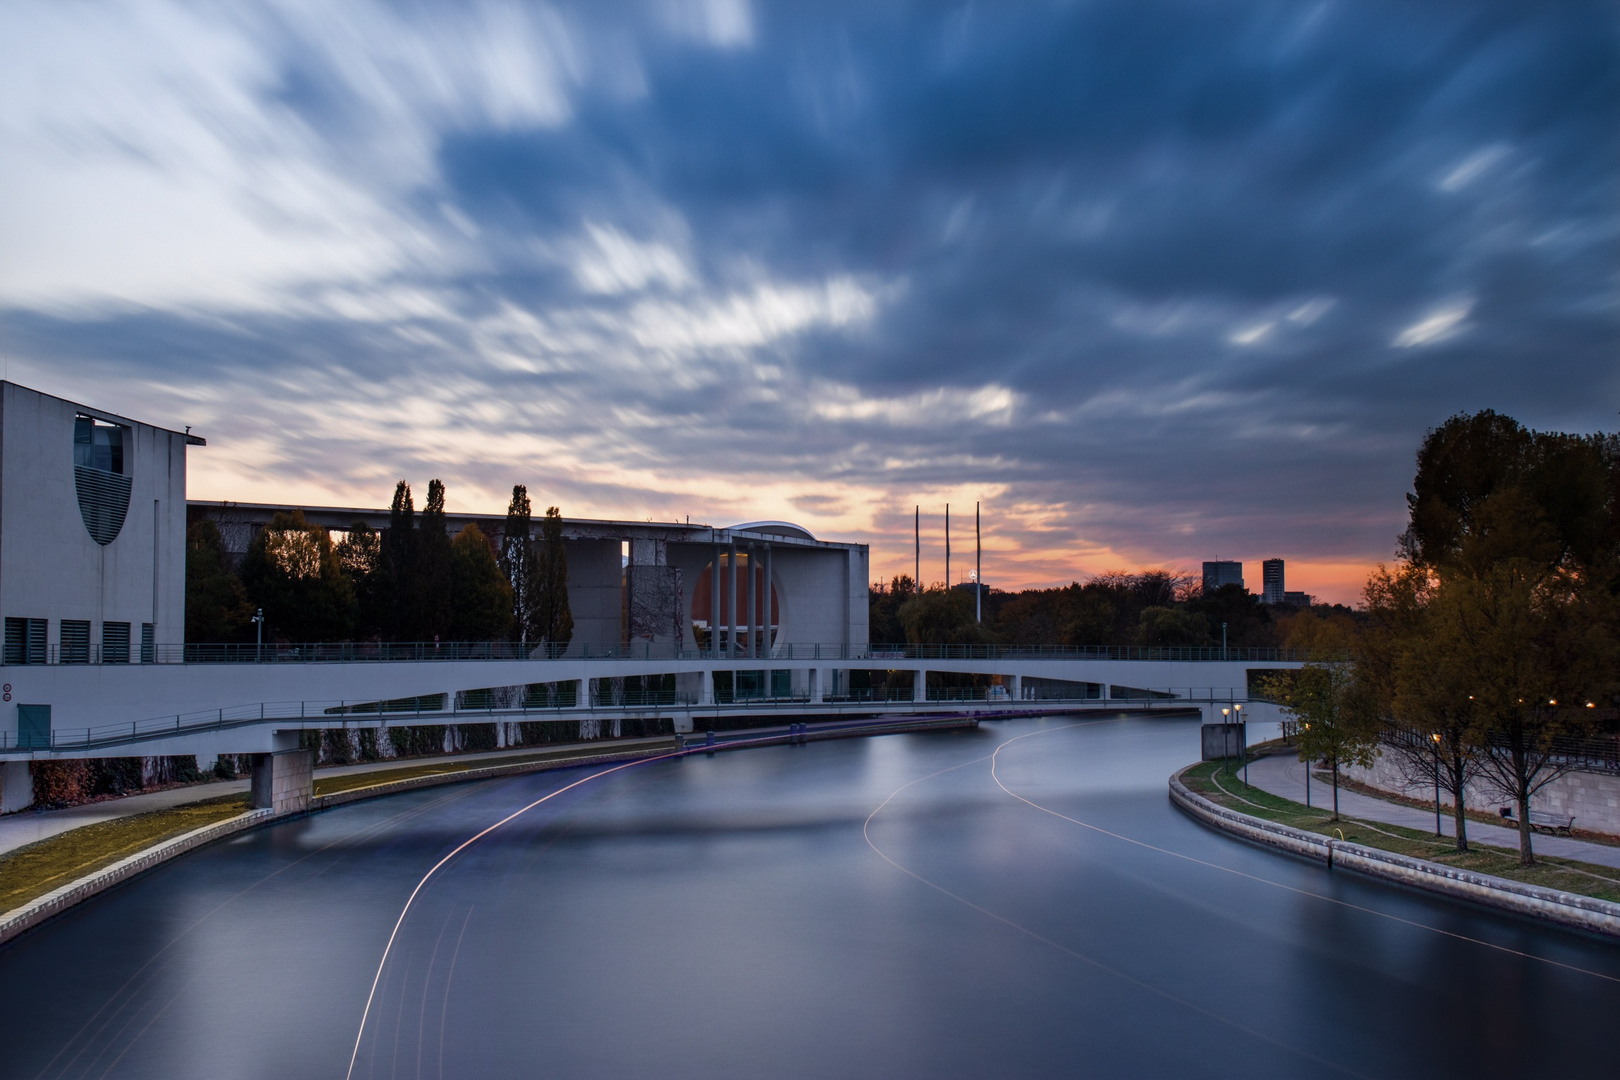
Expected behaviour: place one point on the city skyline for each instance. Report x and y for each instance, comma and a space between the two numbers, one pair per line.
1151, 282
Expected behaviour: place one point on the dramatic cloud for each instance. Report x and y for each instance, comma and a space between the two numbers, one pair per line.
1155, 282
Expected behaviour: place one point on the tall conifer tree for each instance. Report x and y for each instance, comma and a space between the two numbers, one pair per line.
518, 561
554, 622
399, 558
432, 586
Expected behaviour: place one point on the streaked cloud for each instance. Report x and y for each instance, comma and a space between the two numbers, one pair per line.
1149, 280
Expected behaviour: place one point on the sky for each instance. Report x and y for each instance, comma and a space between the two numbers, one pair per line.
1152, 282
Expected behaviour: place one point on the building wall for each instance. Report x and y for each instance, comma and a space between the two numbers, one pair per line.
596, 591
1592, 798
50, 566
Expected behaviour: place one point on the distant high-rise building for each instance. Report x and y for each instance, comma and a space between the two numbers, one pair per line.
1297, 599
1271, 572
1221, 573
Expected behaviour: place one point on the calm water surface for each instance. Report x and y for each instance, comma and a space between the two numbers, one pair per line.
865, 908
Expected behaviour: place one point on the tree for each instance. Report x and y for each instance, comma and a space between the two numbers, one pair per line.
553, 622
941, 616
360, 554
1335, 721
1171, 626
884, 602
481, 605
1519, 532
399, 559
291, 570
518, 561
430, 587
217, 607
1410, 666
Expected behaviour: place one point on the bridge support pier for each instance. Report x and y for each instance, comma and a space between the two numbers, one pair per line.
1015, 687
919, 685
283, 781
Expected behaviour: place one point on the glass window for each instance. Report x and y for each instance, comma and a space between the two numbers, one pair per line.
98, 445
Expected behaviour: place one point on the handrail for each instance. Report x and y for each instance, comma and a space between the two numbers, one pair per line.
443, 709
419, 651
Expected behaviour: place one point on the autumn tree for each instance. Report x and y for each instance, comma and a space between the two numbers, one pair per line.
941, 616
291, 570
1332, 710
360, 554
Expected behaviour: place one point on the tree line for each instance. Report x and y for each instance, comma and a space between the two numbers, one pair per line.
1148, 607
411, 581
1489, 650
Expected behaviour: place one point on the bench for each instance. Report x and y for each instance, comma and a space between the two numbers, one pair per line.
1542, 821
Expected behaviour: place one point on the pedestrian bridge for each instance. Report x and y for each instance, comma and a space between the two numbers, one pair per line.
211, 700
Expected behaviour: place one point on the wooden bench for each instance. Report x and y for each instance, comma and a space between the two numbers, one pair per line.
1542, 821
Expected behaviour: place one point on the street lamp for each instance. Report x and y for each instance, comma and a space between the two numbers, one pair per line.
1225, 740
1243, 739
1307, 769
1436, 738
258, 627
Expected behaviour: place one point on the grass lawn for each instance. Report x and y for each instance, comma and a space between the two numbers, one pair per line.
1224, 785
30, 872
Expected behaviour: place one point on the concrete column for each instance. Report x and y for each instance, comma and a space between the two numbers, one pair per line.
731, 601
753, 572
714, 606
919, 686
767, 605
1016, 689
706, 695
817, 686
16, 786
283, 780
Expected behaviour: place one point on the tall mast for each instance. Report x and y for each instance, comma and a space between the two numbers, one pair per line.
916, 547
947, 545
978, 568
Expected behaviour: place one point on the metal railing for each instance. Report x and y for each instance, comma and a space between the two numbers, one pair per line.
452, 709
419, 651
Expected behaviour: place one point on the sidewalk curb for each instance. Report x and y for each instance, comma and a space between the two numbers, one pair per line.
1566, 909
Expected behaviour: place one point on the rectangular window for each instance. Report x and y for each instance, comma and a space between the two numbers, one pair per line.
148, 644
115, 643
75, 641
25, 641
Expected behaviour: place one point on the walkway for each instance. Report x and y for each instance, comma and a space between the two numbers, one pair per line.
1284, 774
26, 826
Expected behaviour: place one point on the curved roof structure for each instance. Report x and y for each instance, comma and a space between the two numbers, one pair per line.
775, 528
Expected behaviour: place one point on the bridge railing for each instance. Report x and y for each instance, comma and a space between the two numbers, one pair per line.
341, 652
446, 709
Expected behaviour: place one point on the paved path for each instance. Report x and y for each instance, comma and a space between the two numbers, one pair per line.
1283, 774
27, 826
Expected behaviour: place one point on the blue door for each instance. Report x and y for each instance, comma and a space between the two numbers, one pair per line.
33, 727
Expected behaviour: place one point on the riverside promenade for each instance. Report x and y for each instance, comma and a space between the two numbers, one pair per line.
1283, 774
29, 826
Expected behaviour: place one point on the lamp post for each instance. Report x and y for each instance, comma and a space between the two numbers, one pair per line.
1307, 727
1225, 741
1243, 739
1436, 740
258, 626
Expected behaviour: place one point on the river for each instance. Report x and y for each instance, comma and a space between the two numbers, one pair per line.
1021, 900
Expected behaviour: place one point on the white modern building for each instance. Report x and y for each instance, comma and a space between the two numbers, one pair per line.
92, 531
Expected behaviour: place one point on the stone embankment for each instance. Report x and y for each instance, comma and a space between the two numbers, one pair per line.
1567, 909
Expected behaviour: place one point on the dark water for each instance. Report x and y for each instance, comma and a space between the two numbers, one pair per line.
727, 917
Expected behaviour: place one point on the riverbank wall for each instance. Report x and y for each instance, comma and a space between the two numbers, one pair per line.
1566, 909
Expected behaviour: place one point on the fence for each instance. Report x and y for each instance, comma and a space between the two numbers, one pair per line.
419, 651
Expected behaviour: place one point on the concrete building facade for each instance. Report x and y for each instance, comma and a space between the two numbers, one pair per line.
92, 531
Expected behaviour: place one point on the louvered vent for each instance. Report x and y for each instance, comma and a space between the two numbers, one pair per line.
103, 501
